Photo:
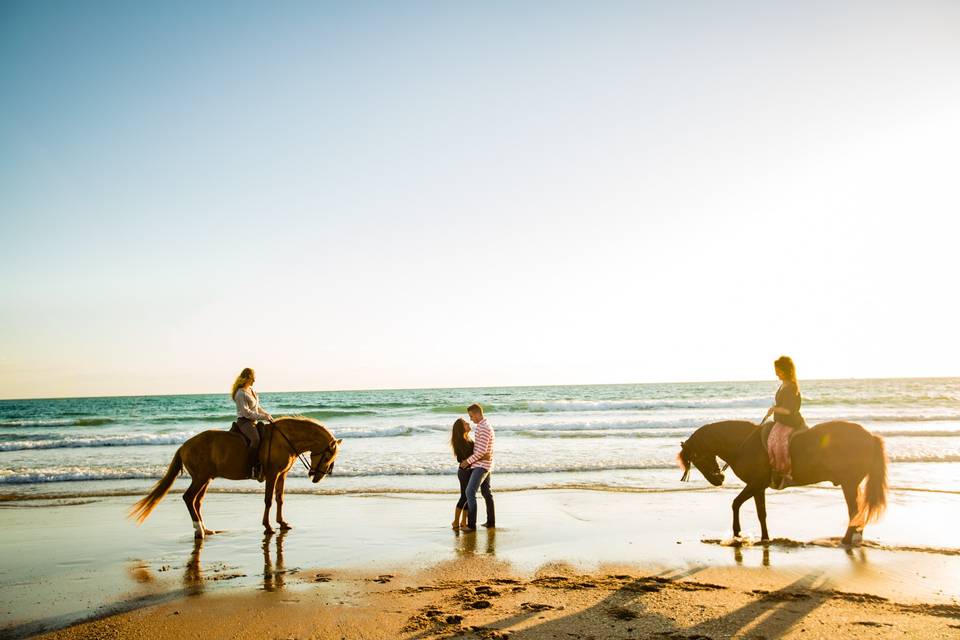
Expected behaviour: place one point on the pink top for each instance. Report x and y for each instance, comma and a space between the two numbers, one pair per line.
483, 442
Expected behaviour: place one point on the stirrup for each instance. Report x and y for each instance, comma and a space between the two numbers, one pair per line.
782, 482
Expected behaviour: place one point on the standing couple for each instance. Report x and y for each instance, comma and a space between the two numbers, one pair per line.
475, 456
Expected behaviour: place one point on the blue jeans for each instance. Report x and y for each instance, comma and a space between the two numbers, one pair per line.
479, 479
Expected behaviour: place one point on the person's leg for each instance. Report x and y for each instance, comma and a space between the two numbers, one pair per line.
476, 478
253, 443
773, 451
487, 494
255, 454
463, 475
785, 461
780, 452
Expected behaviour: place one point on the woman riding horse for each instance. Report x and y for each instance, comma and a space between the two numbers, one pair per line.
786, 414
249, 412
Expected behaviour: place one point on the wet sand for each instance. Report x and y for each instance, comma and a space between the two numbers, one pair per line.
570, 563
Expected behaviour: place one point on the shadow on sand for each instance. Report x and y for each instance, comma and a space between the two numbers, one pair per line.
624, 612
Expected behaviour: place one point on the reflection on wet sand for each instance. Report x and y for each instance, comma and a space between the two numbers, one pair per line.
738, 555
192, 574
466, 542
273, 572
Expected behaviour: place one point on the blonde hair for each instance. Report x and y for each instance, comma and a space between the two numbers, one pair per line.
245, 376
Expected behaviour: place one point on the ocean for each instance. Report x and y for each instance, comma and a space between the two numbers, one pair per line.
606, 437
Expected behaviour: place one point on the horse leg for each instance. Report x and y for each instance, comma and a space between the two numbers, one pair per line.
189, 498
742, 497
850, 491
197, 503
271, 483
281, 481
760, 499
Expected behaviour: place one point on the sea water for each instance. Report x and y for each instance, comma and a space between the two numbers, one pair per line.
613, 437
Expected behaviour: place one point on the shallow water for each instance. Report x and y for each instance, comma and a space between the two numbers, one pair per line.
617, 436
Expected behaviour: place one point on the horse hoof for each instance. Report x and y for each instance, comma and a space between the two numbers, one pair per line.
208, 532
268, 530
285, 527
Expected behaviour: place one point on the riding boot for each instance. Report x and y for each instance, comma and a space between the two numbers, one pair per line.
775, 479
254, 461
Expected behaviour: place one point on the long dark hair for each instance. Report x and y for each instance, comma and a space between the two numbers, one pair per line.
461, 447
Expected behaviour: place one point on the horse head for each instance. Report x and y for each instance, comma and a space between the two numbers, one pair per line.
692, 453
321, 462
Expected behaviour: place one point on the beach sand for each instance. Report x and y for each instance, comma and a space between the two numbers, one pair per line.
563, 564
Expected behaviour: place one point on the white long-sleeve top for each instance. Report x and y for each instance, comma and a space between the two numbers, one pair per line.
248, 405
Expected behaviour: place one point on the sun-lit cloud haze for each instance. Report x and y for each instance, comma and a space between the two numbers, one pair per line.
425, 194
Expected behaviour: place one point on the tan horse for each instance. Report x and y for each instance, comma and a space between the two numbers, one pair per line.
221, 454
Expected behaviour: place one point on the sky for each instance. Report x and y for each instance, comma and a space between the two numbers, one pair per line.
425, 194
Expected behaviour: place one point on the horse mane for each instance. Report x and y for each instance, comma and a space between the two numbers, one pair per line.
715, 427
308, 419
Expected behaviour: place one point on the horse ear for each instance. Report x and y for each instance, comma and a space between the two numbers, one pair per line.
339, 441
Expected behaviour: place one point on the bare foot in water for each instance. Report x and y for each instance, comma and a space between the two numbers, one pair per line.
454, 525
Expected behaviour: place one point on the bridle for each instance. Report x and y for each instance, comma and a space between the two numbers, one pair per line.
311, 471
726, 465
688, 464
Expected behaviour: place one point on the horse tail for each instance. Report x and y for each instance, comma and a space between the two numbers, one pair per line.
873, 501
142, 509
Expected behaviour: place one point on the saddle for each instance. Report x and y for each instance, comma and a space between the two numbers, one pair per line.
235, 428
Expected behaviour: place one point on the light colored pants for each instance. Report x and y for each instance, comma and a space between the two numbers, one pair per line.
778, 445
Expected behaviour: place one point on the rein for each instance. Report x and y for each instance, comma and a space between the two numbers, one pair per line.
293, 449
726, 465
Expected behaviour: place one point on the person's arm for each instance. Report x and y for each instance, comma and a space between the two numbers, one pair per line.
788, 403
480, 448
249, 408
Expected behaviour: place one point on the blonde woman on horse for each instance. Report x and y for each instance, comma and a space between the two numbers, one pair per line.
787, 418
249, 412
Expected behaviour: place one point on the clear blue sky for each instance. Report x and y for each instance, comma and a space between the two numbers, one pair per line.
363, 195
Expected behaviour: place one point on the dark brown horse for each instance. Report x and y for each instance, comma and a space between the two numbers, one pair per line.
843, 453
221, 454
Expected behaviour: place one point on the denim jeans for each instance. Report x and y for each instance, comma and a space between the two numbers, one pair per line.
479, 479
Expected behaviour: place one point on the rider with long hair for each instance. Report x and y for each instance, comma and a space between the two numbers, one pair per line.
786, 414
462, 445
249, 412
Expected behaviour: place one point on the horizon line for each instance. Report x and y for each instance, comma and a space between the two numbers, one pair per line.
512, 386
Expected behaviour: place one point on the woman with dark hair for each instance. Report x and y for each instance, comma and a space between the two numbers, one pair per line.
787, 418
462, 445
